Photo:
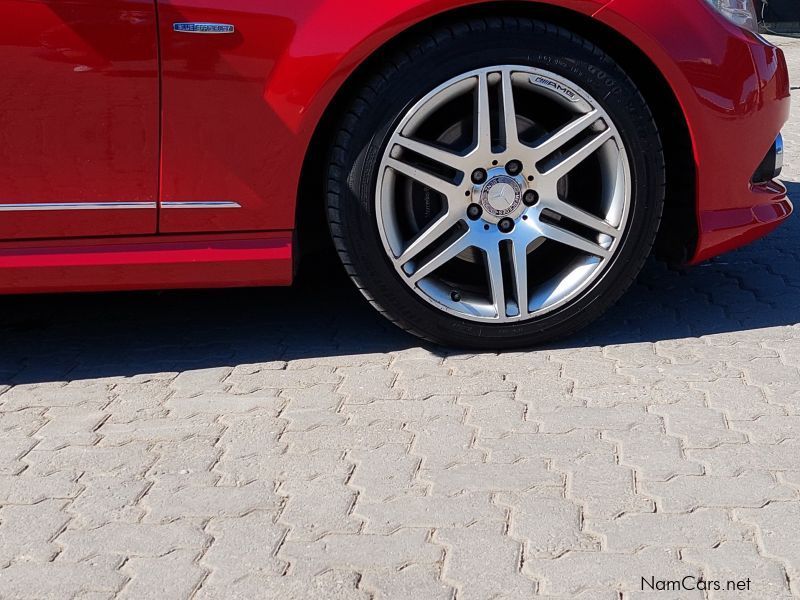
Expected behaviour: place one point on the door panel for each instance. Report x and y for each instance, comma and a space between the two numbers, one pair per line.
224, 153
79, 118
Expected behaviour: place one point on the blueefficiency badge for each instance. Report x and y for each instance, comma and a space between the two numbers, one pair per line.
203, 28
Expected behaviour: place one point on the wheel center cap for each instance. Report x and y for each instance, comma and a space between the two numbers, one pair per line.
501, 196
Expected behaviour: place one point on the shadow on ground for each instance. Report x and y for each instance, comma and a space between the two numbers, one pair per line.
66, 337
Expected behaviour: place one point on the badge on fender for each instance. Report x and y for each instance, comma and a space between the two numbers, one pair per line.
203, 28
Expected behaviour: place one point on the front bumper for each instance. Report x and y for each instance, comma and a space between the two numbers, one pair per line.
733, 89
747, 201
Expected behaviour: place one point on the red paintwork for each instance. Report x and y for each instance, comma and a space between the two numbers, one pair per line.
79, 105
139, 264
78, 115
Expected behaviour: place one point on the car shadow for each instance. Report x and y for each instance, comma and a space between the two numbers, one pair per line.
89, 336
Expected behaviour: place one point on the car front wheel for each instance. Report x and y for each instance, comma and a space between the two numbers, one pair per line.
496, 184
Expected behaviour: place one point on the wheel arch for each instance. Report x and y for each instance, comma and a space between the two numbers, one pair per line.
676, 241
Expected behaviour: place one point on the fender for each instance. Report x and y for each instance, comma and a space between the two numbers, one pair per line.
332, 42
236, 105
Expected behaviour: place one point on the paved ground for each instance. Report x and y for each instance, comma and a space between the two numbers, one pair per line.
289, 444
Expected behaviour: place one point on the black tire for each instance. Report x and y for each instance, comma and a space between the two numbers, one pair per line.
407, 76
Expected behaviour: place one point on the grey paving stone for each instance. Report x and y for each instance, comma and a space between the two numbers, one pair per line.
703, 528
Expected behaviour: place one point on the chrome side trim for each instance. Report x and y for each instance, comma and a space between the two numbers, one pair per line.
42, 206
49, 206
207, 204
212, 28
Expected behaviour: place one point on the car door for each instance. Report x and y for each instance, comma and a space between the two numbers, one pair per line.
227, 163
79, 118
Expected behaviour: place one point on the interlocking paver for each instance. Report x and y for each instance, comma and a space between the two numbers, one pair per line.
698, 426
124, 461
491, 477
362, 552
131, 539
32, 489
605, 488
576, 571
331, 584
548, 524
27, 531
247, 444
173, 575
411, 583
736, 399
732, 561
772, 429
621, 417
730, 459
386, 473
442, 443
225, 404
652, 454
430, 512
482, 562
703, 528
201, 379
177, 496
107, 498
228, 560
497, 414
279, 379
778, 525
58, 580
567, 446
310, 519
749, 489
12, 449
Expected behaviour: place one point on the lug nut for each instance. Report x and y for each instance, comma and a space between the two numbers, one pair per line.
474, 212
479, 176
455, 296
514, 167
530, 198
506, 225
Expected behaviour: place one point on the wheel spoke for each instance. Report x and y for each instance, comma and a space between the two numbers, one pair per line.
428, 236
511, 134
494, 266
582, 217
557, 234
571, 161
483, 117
452, 250
432, 181
566, 134
519, 257
433, 153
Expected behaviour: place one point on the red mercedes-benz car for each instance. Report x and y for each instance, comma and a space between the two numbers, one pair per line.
493, 174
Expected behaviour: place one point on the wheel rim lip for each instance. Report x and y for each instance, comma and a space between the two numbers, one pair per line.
592, 269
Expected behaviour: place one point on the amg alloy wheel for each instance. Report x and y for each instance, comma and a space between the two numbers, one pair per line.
521, 243
498, 184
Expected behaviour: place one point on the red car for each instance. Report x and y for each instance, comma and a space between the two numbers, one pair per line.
494, 174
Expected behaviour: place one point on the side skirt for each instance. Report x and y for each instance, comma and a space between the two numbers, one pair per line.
164, 262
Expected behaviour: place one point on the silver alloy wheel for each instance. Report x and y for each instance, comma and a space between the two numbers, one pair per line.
505, 196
